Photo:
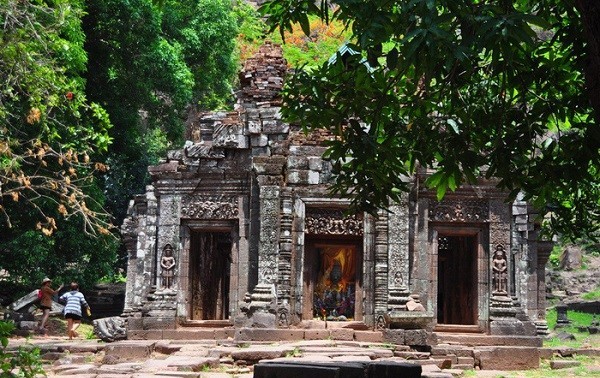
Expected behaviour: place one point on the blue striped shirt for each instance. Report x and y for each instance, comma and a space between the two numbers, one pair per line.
73, 301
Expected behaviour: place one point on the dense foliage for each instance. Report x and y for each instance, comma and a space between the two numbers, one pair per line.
49, 132
148, 63
467, 89
24, 362
91, 93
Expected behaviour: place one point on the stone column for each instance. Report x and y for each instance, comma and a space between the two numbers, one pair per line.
398, 257
163, 302
261, 311
501, 304
284, 283
381, 263
140, 228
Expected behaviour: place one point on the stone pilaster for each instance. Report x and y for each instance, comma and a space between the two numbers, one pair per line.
398, 257
268, 248
284, 284
381, 263
140, 227
501, 304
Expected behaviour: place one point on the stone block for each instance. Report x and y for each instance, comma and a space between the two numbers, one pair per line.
564, 364
408, 355
442, 362
415, 337
465, 360
51, 356
268, 169
159, 323
297, 162
546, 353
188, 363
315, 163
460, 367
275, 127
368, 336
316, 334
593, 352
342, 334
144, 335
136, 350
254, 127
224, 333
272, 334
28, 325
512, 327
507, 358
308, 150
258, 353
135, 323
165, 347
259, 140
297, 177
313, 177
185, 334
394, 336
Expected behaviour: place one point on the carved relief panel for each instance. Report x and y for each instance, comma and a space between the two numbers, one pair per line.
459, 211
202, 207
332, 222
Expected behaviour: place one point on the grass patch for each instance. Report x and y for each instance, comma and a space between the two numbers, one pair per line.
592, 295
578, 320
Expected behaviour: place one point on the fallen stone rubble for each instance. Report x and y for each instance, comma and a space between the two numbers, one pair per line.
227, 358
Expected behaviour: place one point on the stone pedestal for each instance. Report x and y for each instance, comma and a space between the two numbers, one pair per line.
259, 309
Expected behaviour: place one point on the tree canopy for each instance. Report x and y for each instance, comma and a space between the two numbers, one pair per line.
91, 93
466, 89
148, 64
49, 132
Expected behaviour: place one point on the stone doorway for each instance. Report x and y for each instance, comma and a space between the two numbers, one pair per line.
457, 280
210, 268
332, 281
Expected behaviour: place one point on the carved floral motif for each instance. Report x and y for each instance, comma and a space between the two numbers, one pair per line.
459, 211
209, 208
333, 222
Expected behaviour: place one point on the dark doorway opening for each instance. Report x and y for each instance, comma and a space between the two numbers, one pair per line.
210, 267
457, 280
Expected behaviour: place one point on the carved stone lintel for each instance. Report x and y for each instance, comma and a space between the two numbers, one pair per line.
332, 222
459, 211
198, 207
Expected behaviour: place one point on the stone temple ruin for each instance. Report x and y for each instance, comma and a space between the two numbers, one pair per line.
238, 236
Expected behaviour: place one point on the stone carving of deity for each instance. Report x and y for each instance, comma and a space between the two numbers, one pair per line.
499, 271
167, 264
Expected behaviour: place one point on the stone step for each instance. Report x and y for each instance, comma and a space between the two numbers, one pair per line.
257, 334
478, 339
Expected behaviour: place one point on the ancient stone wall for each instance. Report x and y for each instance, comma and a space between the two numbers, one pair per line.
264, 183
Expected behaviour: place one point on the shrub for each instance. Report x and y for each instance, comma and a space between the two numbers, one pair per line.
24, 363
